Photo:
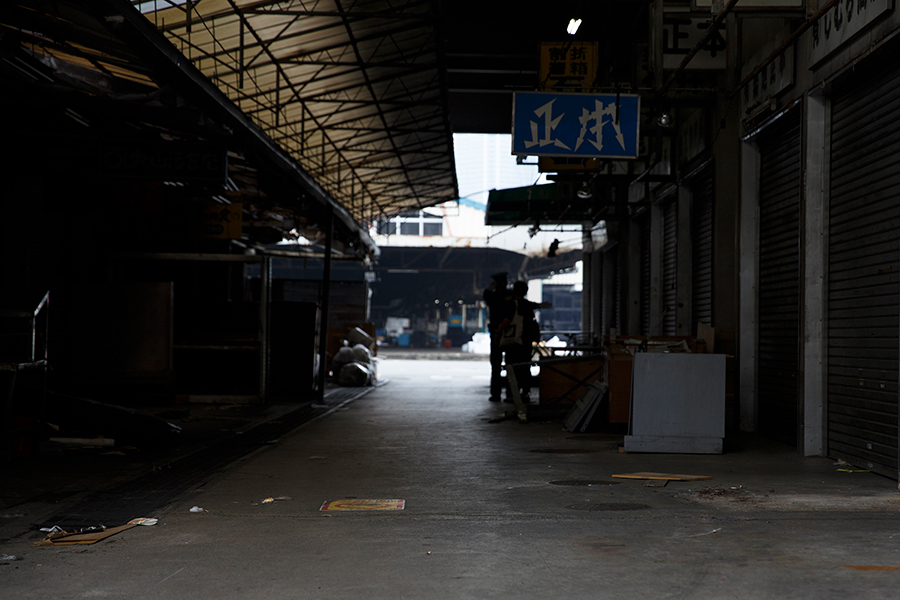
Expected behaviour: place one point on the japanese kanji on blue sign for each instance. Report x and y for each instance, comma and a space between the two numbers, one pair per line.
576, 125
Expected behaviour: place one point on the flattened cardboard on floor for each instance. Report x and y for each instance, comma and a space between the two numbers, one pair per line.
665, 476
364, 504
69, 539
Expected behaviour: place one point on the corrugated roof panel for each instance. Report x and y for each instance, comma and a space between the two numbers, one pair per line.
351, 89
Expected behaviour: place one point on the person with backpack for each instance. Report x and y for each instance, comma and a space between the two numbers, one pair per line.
518, 332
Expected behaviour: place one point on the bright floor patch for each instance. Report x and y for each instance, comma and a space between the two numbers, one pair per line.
364, 504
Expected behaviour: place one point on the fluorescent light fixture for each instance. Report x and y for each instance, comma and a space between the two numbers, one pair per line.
574, 24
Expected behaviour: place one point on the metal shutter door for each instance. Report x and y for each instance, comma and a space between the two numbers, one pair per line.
863, 292
645, 275
670, 265
702, 247
779, 280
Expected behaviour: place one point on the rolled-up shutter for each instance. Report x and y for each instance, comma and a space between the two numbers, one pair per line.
670, 266
779, 279
863, 269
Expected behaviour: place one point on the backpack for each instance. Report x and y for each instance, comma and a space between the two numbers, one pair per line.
512, 335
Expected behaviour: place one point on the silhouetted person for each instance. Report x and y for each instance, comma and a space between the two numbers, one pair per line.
496, 296
520, 351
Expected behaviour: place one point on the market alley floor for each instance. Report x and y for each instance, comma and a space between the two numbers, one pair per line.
476, 507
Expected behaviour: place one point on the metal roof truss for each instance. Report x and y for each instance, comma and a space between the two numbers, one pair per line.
350, 88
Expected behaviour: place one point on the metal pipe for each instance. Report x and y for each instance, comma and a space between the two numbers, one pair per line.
45, 301
195, 256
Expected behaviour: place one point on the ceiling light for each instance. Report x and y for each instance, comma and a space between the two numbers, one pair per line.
664, 120
574, 24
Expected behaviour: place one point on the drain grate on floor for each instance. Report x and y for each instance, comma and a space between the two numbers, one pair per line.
562, 450
584, 482
607, 507
342, 394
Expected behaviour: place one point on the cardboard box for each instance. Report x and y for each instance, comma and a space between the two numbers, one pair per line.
620, 366
565, 380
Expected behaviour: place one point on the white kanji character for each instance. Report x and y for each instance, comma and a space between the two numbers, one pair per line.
545, 111
597, 130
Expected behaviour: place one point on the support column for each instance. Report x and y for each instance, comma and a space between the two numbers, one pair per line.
324, 300
265, 299
656, 268
609, 291
814, 265
684, 324
749, 279
726, 227
587, 249
630, 263
597, 297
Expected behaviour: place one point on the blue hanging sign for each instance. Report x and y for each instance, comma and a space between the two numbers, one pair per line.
576, 125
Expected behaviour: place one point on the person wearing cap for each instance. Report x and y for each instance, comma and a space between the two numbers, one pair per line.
496, 296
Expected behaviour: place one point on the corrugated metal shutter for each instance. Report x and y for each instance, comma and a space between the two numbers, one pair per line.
645, 275
670, 266
703, 194
863, 269
779, 279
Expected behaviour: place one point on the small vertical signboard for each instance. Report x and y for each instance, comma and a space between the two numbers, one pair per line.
568, 66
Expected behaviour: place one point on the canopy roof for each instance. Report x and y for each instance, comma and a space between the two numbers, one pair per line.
97, 71
351, 89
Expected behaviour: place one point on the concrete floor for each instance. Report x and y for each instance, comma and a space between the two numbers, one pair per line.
482, 519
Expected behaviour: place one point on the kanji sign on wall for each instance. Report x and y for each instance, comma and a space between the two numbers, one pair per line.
682, 31
576, 125
841, 23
